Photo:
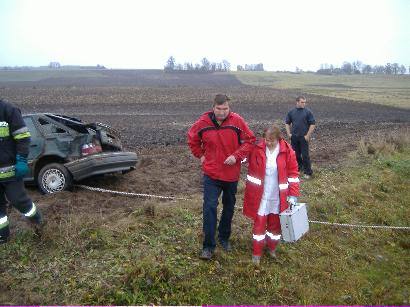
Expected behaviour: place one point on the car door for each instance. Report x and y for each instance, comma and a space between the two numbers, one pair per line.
58, 138
36, 145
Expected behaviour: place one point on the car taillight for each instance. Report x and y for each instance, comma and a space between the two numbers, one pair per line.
90, 148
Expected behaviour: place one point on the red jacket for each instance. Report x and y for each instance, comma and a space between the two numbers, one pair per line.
216, 143
287, 172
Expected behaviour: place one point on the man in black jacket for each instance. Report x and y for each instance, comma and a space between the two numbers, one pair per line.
302, 122
14, 148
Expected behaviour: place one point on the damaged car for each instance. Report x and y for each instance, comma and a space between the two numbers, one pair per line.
64, 150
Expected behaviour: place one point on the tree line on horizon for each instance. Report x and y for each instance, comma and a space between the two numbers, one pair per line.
207, 66
357, 67
204, 66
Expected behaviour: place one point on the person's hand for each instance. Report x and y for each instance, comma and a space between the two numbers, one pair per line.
21, 166
307, 138
292, 200
231, 160
202, 159
289, 136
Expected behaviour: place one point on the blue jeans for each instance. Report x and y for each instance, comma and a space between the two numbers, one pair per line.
212, 190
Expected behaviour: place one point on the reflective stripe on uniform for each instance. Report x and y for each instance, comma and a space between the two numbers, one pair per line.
293, 180
7, 172
283, 186
22, 135
32, 211
259, 237
19, 131
272, 236
254, 180
3, 222
4, 129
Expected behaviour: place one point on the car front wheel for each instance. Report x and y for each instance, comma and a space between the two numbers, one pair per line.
54, 178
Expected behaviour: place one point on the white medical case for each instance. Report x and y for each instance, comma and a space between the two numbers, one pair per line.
294, 222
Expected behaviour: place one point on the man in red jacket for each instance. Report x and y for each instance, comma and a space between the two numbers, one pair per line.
221, 139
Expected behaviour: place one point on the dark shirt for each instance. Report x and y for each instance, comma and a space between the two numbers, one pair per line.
301, 119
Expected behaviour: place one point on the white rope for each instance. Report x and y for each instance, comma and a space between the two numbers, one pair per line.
183, 198
128, 193
360, 226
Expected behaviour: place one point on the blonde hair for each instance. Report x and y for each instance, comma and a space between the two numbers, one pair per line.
272, 131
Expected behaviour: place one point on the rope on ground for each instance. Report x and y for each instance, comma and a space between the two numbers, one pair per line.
183, 198
128, 193
360, 226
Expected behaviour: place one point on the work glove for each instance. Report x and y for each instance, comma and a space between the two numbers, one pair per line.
292, 200
21, 166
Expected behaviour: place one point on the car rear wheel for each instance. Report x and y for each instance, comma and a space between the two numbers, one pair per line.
54, 178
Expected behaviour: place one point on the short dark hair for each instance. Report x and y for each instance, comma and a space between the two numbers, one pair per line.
220, 99
299, 98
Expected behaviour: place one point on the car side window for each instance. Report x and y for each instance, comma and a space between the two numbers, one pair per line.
50, 128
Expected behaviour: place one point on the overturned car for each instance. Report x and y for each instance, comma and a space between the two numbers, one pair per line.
64, 149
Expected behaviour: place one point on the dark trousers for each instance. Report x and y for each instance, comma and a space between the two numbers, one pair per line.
212, 190
301, 148
15, 193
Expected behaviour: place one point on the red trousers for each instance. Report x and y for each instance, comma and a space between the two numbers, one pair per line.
266, 229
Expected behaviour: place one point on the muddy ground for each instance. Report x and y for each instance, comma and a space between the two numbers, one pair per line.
153, 112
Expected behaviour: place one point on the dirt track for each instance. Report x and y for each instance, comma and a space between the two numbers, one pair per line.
153, 113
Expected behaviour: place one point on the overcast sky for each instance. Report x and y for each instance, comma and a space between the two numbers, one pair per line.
144, 33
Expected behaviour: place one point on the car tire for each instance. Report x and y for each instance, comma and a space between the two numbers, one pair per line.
54, 177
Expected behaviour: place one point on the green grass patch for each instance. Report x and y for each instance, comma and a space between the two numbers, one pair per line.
149, 255
391, 90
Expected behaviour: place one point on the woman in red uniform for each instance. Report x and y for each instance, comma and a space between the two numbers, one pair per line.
271, 184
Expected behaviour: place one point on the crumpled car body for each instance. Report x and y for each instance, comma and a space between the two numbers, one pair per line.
64, 149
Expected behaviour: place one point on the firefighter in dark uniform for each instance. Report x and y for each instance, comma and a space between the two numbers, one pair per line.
14, 148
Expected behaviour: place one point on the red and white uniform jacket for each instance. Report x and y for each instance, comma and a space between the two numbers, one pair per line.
217, 142
288, 176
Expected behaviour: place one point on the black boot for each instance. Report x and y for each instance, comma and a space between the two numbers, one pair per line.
37, 218
4, 234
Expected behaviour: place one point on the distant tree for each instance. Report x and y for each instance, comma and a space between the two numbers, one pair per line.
347, 68
379, 69
395, 68
259, 67
188, 66
388, 69
212, 66
226, 65
357, 67
170, 66
206, 65
402, 69
366, 69
239, 68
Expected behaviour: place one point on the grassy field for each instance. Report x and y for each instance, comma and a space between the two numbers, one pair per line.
388, 90
149, 255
